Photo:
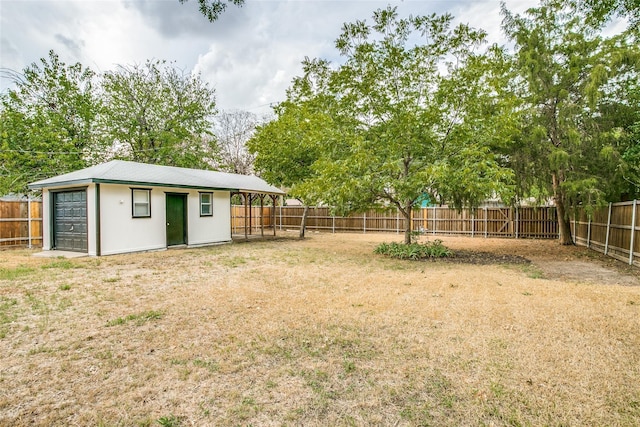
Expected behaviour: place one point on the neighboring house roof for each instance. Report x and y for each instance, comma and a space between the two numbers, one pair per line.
133, 173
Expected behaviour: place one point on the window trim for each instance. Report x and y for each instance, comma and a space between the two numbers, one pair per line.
133, 203
210, 204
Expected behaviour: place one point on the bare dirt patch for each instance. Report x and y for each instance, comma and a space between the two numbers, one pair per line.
554, 261
462, 256
318, 332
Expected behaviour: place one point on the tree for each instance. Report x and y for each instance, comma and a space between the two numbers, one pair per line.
570, 77
394, 122
48, 123
600, 11
286, 149
232, 130
154, 113
212, 9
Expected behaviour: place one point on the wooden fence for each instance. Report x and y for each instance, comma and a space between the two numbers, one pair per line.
250, 218
613, 230
487, 222
20, 223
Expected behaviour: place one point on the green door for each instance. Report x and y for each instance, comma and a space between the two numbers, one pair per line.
176, 219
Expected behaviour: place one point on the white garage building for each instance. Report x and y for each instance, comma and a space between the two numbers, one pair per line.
121, 206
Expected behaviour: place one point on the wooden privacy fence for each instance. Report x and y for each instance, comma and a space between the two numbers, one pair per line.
613, 230
20, 223
487, 222
250, 218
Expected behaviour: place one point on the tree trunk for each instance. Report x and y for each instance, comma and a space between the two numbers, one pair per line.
303, 222
564, 227
407, 213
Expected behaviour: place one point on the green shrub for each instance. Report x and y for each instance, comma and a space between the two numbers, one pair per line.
414, 251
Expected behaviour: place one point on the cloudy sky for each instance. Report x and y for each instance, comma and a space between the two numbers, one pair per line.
249, 55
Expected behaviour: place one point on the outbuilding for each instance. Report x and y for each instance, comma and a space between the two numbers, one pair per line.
120, 206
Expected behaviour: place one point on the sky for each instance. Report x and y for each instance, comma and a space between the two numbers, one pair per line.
250, 55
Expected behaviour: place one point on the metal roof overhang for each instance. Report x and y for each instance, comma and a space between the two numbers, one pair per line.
73, 183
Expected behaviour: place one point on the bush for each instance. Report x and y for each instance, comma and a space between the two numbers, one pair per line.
414, 251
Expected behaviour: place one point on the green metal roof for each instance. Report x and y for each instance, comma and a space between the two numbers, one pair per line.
133, 173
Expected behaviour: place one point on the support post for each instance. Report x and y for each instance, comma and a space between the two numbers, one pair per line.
261, 215
244, 195
333, 223
606, 240
250, 213
589, 232
273, 216
633, 230
517, 223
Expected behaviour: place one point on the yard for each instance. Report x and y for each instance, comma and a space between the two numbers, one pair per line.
320, 332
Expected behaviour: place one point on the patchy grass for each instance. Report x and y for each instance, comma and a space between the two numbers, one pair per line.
316, 332
16, 272
62, 263
138, 319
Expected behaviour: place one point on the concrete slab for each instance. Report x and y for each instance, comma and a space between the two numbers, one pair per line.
60, 254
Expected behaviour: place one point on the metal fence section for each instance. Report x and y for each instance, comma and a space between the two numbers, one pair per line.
613, 230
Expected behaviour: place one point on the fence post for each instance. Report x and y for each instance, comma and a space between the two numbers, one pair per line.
606, 241
511, 221
633, 230
473, 223
29, 217
486, 222
364, 224
280, 217
589, 232
517, 224
397, 222
333, 224
435, 220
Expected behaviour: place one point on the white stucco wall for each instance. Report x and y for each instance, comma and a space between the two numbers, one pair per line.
121, 233
91, 219
204, 230
46, 225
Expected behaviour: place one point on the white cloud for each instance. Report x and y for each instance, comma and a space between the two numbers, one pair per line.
250, 54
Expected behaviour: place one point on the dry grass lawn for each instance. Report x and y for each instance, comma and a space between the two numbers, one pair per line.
320, 332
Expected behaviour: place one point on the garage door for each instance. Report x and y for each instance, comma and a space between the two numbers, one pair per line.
70, 221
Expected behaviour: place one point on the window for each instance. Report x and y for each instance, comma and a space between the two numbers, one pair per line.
205, 204
141, 201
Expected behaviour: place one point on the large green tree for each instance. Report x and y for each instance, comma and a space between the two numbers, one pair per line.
48, 123
406, 114
154, 113
571, 77
286, 149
